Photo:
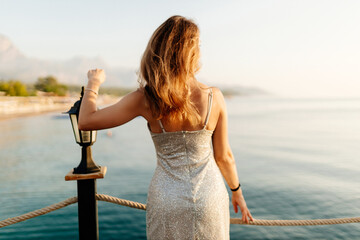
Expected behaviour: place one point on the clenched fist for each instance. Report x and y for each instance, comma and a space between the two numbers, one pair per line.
96, 76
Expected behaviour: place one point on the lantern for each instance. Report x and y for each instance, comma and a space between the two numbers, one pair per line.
85, 139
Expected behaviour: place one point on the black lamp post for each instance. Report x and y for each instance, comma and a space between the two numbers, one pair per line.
86, 174
85, 139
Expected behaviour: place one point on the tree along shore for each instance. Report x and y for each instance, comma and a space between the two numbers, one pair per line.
50, 86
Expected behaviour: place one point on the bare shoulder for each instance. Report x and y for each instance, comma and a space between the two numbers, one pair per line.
134, 100
217, 92
138, 93
218, 97
137, 96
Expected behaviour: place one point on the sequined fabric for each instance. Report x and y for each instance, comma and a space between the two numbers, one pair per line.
187, 197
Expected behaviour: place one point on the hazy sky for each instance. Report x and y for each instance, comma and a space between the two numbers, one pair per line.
291, 48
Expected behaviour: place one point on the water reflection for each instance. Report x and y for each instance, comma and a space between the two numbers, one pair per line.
296, 159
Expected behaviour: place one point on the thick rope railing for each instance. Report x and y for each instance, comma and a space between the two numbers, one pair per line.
309, 222
132, 204
38, 212
119, 201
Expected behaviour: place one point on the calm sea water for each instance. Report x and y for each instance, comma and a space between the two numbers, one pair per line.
296, 158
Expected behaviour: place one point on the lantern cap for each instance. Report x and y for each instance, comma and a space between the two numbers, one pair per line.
76, 107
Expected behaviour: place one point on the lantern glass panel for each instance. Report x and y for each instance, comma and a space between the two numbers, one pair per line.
93, 139
73, 118
85, 135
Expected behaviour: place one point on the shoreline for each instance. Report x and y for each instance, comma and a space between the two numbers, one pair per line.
19, 107
30, 114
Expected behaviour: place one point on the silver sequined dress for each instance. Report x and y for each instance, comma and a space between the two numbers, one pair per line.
187, 197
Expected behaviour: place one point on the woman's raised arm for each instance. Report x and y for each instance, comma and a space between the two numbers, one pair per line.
129, 107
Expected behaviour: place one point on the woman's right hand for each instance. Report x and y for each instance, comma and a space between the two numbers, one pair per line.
237, 199
96, 76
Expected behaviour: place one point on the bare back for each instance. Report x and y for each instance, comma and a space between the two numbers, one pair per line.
200, 97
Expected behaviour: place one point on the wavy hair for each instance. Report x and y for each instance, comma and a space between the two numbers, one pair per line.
170, 60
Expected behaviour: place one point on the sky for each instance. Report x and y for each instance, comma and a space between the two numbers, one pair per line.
290, 48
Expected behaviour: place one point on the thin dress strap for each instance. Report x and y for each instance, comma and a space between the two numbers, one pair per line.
209, 108
161, 125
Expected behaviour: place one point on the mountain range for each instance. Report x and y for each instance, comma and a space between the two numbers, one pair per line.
16, 65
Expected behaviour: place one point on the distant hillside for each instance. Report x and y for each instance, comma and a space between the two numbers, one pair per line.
15, 64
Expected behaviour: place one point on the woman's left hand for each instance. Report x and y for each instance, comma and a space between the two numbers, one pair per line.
237, 199
96, 76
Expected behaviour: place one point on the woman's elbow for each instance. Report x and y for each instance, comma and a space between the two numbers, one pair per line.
226, 158
83, 125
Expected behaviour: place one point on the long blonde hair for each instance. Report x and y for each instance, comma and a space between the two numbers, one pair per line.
170, 60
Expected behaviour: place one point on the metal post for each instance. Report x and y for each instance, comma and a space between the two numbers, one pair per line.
87, 210
87, 164
87, 203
